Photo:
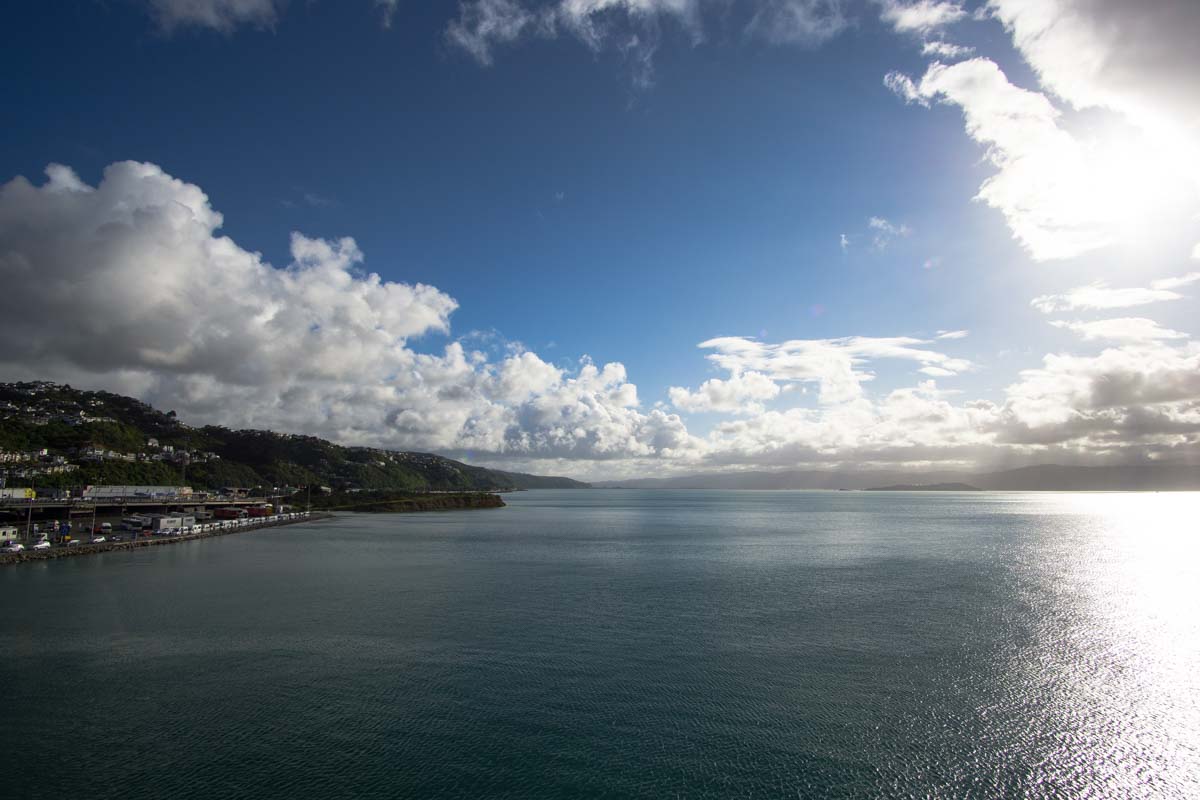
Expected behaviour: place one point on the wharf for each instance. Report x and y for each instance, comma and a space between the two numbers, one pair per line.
60, 551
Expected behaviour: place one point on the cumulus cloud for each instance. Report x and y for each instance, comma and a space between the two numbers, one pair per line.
129, 285
1100, 296
916, 425
1120, 329
920, 16
1105, 399
742, 393
1138, 399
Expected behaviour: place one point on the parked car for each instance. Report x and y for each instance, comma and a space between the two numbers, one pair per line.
99, 540
42, 545
12, 547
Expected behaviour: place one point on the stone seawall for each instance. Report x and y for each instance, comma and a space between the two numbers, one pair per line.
373, 503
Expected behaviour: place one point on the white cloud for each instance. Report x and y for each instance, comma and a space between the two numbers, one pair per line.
836, 366
1108, 397
1120, 329
1100, 296
844, 241
632, 26
1135, 400
1061, 195
1175, 282
953, 334
920, 16
188, 319
742, 393
388, 9
798, 22
945, 50
911, 425
1138, 59
484, 24
226, 15
222, 15
885, 231
1066, 189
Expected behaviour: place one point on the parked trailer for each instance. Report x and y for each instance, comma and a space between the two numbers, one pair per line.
18, 494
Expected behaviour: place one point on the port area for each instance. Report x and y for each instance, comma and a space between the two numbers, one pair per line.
146, 539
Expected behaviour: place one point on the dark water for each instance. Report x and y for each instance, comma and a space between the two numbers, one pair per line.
625, 644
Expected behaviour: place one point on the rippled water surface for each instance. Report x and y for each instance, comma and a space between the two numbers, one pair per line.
622, 644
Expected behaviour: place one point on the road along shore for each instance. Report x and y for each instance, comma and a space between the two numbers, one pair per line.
83, 549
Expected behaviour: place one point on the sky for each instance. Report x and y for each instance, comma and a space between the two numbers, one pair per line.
613, 238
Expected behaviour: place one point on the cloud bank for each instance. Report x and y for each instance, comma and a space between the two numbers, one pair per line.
129, 285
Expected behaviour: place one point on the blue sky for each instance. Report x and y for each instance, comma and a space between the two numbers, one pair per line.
580, 192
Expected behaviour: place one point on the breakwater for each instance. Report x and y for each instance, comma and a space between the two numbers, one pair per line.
146, 541
388, 503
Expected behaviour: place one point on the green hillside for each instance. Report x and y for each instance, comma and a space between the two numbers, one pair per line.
100, 437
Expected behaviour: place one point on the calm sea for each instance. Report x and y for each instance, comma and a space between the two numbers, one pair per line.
614, 643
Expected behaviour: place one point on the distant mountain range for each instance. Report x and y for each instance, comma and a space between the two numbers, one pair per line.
1049, 477
926, 487
55, 435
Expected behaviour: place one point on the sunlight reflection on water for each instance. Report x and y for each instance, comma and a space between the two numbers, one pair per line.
1119, 639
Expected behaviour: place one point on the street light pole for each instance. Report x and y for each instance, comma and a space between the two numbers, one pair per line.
29, 520
93, 533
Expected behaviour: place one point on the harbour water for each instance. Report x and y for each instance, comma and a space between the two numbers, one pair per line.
613, 643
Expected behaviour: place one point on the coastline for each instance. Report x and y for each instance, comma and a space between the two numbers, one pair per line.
145, 541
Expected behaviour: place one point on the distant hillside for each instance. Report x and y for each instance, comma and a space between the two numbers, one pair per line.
783, 479
100, 437
926, 487
1046, 477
